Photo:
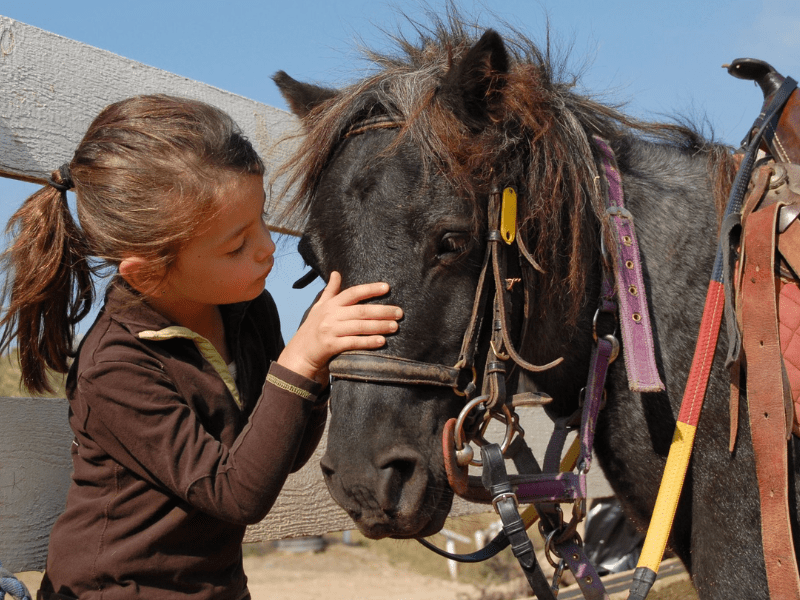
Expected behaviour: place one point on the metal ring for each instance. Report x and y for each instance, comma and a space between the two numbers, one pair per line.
549, 549
508, 419
500, 355
614, 347
548, 540
474, 379
459, 429
594, 322
510, 423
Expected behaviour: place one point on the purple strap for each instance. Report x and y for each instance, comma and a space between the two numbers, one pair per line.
637, 335
547, 487
593, 400
587, 578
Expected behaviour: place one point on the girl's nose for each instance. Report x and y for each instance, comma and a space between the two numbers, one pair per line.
266, 246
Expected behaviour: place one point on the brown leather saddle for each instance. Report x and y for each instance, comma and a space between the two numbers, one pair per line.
763, 316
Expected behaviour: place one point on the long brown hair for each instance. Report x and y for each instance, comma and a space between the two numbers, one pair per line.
145, 177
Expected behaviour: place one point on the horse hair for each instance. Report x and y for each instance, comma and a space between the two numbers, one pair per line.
539, 136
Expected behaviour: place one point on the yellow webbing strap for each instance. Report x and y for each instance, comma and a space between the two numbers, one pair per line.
668, 494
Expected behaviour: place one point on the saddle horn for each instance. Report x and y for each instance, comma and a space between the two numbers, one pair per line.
763, 73
782, 134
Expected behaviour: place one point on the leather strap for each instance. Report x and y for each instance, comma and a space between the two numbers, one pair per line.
765, 395
372, 367
733, 299
637, 336
495, 480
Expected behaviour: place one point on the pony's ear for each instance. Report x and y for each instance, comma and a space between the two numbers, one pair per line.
302, 97
471, 88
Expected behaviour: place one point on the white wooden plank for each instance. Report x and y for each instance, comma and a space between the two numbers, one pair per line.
52, 87
35, 470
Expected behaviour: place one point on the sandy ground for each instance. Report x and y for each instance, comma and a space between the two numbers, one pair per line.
340, 572
343, 572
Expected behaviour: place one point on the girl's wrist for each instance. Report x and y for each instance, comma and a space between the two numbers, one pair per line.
299, 366
285, 378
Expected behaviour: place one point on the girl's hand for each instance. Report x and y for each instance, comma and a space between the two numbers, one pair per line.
336, 323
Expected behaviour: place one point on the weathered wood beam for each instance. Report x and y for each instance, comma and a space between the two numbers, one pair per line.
52, 87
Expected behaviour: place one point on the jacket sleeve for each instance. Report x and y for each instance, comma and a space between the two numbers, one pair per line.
149, 429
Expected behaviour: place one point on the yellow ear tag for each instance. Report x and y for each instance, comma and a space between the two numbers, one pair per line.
508, 215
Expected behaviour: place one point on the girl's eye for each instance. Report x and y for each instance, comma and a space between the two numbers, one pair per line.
238, 250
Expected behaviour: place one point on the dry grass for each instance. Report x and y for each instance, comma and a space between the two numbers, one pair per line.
10, 386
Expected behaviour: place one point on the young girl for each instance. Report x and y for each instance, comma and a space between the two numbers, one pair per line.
187, 409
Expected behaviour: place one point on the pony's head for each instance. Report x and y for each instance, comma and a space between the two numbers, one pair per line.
393, 177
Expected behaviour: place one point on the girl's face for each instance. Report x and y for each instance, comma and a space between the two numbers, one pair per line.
229, 260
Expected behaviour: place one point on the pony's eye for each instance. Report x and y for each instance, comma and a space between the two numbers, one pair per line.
452, 244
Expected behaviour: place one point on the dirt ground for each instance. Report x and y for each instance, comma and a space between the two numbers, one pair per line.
350, 572
343, 572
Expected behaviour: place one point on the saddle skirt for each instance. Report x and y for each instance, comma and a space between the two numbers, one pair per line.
789, 322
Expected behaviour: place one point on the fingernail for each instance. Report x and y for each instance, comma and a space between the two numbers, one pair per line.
398, 313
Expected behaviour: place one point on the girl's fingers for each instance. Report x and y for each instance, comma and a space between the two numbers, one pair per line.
371, 311
332, 288
362, 292
365, 327
360, 342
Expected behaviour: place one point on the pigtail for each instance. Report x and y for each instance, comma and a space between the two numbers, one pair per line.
49, 286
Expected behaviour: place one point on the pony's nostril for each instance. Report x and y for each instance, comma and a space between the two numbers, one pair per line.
401, 470
327, 468
395, 474
401, 461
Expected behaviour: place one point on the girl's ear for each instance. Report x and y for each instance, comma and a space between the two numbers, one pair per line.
135, 272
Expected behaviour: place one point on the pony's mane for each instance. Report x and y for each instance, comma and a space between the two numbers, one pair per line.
539, 140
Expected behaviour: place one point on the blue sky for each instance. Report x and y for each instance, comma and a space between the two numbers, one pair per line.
661, 58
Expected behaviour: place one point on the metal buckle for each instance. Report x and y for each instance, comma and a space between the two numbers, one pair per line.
619, 211
504, 496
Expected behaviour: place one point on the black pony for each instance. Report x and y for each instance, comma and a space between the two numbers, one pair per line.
393, 177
